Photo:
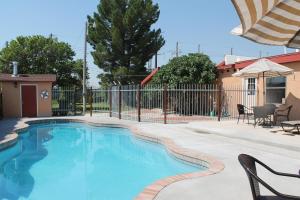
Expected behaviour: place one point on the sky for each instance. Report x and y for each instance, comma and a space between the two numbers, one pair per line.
189, 22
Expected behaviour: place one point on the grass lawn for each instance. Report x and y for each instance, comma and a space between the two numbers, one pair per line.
96, 106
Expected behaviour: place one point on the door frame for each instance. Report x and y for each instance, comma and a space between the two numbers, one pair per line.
37, 99
245, 88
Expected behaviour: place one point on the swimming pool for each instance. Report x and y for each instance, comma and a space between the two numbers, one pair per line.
79, 161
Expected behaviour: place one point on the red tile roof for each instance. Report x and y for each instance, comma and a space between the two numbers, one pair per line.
28, 78
280, 59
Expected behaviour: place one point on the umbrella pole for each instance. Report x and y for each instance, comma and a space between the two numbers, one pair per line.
264, 89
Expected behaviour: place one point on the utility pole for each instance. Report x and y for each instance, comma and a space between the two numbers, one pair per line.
84, 72
177, 49
199, 48
150, 64
231, 51
260, 54
156, 60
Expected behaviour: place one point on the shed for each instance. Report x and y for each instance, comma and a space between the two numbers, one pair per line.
26, 95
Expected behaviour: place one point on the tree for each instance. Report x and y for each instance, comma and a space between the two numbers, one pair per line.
42, 55
123, 40
188, 69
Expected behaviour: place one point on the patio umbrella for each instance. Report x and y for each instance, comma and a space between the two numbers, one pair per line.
273, 22
264, 68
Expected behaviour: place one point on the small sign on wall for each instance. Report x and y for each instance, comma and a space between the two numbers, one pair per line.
44, 94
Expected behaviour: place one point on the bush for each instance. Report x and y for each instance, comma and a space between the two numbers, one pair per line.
188, 69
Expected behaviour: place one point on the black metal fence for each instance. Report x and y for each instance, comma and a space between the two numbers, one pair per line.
66, 101
156, 103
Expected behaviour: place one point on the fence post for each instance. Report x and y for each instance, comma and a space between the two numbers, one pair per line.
110, 101
139, 102
120, 102
165, 102
219, 101
74, 100
91, 101
1, 106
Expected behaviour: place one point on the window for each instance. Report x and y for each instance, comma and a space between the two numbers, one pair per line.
275, 89
251, 86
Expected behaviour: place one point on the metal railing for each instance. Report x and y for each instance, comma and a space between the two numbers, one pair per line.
157, 103
98, 101
66, 101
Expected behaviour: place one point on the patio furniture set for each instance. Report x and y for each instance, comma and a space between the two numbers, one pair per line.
269, 115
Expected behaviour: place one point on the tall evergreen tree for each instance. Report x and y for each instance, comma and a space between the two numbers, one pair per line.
123, 40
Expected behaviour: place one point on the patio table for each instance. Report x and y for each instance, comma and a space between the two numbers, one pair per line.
264, 114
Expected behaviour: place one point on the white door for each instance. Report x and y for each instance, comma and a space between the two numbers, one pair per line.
250, 92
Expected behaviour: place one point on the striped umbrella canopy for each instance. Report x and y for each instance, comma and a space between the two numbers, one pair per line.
273, 22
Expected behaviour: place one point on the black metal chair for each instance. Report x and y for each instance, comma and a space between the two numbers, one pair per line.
243, 110
249, 165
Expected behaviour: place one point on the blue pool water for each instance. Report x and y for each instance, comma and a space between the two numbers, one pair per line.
80, 162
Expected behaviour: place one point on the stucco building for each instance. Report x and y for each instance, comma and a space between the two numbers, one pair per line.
26, 95
279, 90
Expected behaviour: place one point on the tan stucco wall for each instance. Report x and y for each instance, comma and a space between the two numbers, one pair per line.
12, 99
44, 105
228, 80
232, 95
292, 88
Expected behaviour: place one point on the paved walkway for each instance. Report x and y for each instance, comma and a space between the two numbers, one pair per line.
271, 136
225, 141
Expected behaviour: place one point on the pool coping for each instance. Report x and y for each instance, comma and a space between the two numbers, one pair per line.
211, 164
8, 140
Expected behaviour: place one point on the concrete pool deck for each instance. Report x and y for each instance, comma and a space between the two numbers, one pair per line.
225, 141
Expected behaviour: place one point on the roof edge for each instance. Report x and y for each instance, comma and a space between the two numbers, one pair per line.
28, 78
240, 64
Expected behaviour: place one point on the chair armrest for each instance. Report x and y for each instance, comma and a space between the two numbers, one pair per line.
248, 109
275, 172
285, 196
279, 110
283, 109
